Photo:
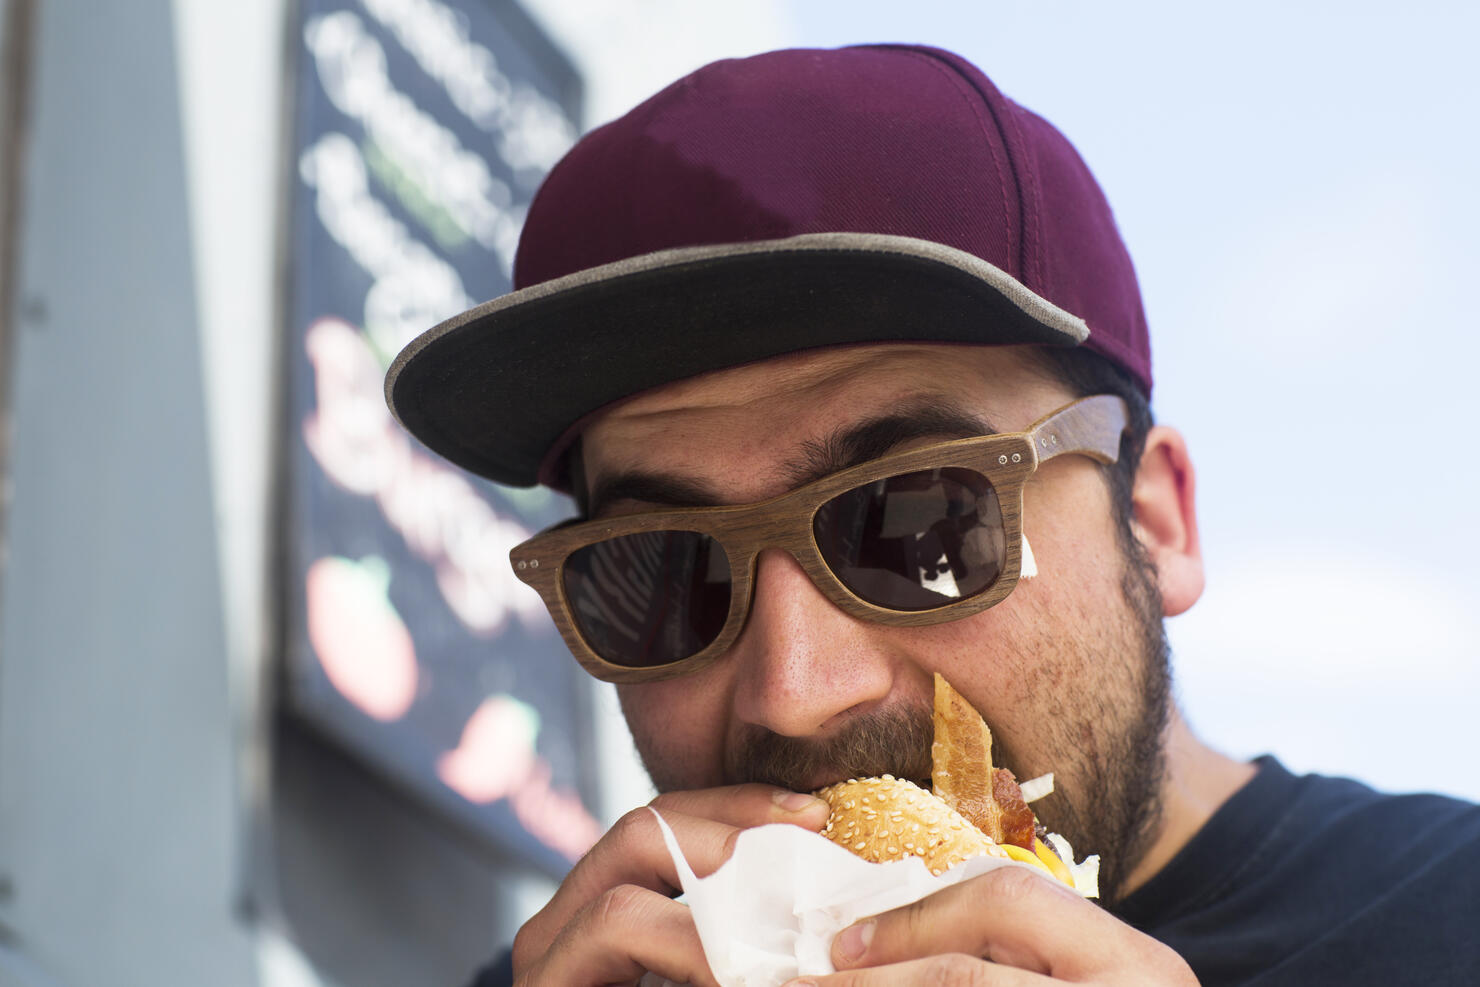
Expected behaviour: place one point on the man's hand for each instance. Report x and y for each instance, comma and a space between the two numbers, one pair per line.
1009, 926
612, 918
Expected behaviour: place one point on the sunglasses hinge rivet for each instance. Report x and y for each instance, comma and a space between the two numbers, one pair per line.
523, 564
534, 563
1002, 460
1017, 457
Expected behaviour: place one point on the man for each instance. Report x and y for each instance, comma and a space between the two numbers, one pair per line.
809, 262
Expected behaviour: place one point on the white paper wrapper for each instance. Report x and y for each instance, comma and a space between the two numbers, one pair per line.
770, 913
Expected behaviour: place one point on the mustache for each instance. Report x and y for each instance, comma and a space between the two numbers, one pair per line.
891, 741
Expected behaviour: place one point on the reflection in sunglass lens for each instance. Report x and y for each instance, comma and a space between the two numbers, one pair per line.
914, 542
650, 598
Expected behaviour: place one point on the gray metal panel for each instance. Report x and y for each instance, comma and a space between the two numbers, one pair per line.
115, 751
378, 890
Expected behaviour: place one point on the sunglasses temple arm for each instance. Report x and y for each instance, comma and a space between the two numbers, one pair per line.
1089, 427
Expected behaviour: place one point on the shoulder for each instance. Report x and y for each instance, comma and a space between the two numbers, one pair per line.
1311, 879
1389, 896
1335, 847
1350, 808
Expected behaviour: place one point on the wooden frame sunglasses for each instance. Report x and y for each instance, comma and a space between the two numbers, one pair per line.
682, 543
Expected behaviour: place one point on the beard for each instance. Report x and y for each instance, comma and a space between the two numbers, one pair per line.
1112, 747
1104, 741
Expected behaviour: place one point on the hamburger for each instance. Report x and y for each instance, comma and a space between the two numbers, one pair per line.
973, 808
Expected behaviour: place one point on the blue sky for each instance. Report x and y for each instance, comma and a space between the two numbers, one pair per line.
1297, 187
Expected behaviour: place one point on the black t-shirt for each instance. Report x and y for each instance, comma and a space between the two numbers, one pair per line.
1316, 880
1309, 881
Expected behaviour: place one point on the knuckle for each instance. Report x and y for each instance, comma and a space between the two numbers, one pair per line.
535, 942
668, 800
1169, 967
1010, 884
527, 945
917, 919
618, 906
955, 970
728, 849
629, 829
605, 921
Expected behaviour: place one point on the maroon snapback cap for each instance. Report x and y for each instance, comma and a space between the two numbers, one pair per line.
764, 206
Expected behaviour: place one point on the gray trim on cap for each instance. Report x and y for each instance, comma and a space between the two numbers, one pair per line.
1040, 310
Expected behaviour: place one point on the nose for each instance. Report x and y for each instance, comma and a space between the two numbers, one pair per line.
802, 665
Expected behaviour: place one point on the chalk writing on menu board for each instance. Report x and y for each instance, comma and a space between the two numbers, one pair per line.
422, 129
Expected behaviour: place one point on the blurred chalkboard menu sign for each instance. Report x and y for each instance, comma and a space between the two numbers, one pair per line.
421, 130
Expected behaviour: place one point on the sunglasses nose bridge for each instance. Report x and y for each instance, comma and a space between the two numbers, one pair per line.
771, 584
802, 551
785, 531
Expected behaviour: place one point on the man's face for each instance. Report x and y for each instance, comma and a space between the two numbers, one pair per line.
1069, 670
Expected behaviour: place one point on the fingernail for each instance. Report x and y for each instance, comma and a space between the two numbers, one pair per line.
853, 941
794, 801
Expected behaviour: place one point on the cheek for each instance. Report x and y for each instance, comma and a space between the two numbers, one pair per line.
1068, 518
1020, 645
1073, 622
678, 727
1061, 642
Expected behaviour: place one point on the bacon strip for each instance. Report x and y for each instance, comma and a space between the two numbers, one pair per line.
962, 773
1018, 824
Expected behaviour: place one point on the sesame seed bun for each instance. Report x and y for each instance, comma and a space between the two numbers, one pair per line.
888, 818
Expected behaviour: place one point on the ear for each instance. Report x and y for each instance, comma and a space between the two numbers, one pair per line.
1165, 512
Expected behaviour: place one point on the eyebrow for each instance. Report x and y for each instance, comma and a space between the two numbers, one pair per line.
844, 447
874, 437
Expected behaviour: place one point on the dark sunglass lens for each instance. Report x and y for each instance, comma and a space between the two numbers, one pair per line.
651, 598
917, 541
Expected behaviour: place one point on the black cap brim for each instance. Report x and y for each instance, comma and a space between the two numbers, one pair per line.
498, 389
